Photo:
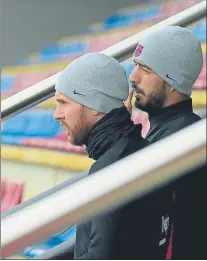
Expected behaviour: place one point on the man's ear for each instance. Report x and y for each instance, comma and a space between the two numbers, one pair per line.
171, 89
94, 112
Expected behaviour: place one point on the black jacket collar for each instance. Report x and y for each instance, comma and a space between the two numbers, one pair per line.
169, 112
107, 131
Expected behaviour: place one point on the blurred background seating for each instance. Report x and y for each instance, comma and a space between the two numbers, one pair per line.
11, 194
33, 136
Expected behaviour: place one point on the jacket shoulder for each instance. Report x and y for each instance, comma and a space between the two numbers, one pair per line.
182, 122
172, 126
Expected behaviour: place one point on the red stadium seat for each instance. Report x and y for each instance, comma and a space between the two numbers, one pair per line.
3, 187
11, 194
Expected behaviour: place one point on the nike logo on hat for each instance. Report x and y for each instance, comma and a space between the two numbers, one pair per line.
78, 93
170, 78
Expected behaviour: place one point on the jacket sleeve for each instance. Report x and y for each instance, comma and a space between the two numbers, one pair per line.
101, 238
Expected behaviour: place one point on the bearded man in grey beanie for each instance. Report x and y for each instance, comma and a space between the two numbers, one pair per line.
90, 94
167, 64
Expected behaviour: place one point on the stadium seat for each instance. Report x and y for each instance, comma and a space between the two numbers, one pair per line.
11, 140
14, 126
12, 196
3, 187
62, 49
128, 19
200, 31
40, 123
54, 240
6, 83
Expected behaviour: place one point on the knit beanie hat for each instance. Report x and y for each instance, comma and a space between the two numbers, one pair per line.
175, 54
96, 81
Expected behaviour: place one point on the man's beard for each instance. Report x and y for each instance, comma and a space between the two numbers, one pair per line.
154, 102
79, 134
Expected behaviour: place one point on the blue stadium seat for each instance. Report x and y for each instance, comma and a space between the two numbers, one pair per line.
31, 123
56, 239
34, 124
40, 123
146, 15
11, 140
15, 126
63, 49
129, 67
127, 19
200, 31
51, 127
39, 59
65, 235
6, 83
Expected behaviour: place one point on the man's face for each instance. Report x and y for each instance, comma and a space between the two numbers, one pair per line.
150, 89
74, 119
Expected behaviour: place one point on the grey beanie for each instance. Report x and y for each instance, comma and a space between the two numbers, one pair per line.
96, 81
175, 54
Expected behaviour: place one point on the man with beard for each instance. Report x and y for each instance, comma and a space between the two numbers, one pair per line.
90, 94
167, 64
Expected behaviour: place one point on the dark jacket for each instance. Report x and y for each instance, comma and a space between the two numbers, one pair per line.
137, 230
171, 119
189, 226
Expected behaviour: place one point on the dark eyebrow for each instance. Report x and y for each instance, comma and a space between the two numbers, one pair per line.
142, 65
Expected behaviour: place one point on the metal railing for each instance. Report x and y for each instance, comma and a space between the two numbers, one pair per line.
111, 186
121, 51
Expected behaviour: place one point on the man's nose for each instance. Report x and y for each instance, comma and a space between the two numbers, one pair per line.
135, 76
58, 115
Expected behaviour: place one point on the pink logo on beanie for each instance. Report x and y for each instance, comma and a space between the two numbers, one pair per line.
138, 50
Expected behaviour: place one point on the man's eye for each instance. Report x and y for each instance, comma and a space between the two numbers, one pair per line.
61, 102
144, 68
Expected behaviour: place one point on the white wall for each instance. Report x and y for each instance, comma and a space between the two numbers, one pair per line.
37, 178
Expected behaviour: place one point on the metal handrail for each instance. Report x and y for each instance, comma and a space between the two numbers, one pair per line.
122, 50
109, 188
